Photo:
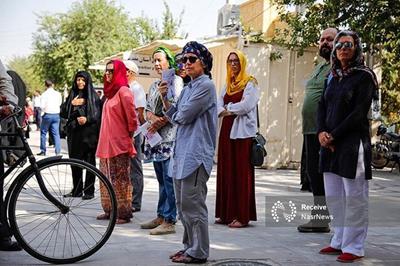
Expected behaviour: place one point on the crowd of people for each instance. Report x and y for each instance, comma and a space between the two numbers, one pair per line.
184, 112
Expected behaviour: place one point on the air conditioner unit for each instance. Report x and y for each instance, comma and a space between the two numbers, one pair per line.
228, 19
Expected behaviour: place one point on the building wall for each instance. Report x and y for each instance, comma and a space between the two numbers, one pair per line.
258, 14
282, 90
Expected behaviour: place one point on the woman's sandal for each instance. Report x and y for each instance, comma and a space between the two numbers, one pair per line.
219, 221
103, 216
236, 224
187, 259
122, 221
177, 254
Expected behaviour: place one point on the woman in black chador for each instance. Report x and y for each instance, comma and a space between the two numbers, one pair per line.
83, 113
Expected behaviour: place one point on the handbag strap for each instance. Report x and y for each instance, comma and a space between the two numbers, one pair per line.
258, 119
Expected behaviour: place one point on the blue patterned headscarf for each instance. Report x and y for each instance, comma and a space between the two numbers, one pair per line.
201, 52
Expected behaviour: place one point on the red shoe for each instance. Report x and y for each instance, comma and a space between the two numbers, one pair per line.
348, 258
330, 251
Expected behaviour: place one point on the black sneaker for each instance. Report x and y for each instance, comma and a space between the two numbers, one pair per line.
73, 195
42, 153
8, 245
87, 197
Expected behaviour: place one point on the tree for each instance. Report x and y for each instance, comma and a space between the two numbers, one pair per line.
148, 29
376, 21
24, 67
88, 32
91, 30
170, 25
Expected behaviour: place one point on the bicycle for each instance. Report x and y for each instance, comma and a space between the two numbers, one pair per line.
49, 226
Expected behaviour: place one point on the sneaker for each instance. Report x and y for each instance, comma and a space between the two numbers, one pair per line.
311, 227
330, 251
42, 153
348, 258
163, 229
152, 224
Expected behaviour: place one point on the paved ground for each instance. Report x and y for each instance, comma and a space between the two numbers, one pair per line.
259, 244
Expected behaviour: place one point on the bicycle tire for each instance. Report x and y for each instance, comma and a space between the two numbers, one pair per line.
83, 234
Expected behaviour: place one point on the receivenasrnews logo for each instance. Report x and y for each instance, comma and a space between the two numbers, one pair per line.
294, 210
279, 210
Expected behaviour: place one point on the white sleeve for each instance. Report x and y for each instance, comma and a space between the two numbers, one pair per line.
140, 97
250, 98
220, 101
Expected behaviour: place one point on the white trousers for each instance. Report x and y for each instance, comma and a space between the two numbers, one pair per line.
347, 201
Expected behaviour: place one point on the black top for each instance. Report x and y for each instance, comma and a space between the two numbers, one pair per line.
87, 133
343, 112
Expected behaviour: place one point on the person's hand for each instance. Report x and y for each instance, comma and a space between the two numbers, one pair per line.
6, 110
225, 113
331, 147
3, 100
163, 89
325, 139
77, 102
82, 120
152, 129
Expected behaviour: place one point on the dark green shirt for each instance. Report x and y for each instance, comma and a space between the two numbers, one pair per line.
314, 87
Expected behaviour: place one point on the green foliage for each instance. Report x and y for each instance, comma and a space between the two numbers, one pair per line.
24, 67
376, 21
170, 24
66, 43
146, 29
88, 32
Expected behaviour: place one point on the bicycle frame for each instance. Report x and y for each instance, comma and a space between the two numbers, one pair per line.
34, 166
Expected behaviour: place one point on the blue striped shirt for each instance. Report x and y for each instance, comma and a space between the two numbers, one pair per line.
195, 113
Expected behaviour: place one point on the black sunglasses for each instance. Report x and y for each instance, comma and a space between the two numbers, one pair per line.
191, 59
347, 45
109, 70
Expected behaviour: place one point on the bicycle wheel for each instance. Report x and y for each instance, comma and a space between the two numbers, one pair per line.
47, 234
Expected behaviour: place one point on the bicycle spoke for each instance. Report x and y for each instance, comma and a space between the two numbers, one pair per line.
48, 234
84, 227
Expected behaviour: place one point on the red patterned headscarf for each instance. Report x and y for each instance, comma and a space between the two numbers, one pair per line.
119, 79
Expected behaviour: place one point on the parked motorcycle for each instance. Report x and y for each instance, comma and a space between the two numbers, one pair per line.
387, 149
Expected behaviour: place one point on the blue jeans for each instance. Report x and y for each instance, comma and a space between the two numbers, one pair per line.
166, 202
50, 122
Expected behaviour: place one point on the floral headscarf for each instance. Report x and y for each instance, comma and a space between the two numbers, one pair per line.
119, 79
235, 85
202, 53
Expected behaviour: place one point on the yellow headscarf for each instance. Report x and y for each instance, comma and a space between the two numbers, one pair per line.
237, 85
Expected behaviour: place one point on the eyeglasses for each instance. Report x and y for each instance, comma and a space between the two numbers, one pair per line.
347, 45
191, 59
233, 61
180, 65
109, 70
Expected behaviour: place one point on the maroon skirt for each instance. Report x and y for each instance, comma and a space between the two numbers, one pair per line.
235, 197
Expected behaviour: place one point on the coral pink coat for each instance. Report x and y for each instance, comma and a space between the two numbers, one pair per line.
118, 123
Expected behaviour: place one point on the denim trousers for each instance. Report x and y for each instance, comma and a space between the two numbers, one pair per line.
50, 122
166, 207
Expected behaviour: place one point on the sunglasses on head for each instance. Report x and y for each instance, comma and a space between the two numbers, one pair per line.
347, 45
191, 59
109, 70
